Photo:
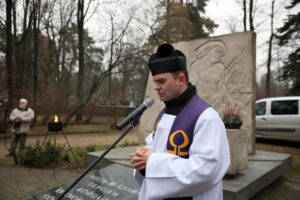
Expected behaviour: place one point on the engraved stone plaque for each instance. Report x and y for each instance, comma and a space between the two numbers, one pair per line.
114, 182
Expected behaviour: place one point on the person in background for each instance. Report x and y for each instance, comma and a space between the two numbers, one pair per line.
187, 154
21, 118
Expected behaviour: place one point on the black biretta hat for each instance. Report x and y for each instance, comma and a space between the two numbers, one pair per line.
166, 59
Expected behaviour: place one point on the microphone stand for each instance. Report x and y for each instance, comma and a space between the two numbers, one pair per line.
133, 125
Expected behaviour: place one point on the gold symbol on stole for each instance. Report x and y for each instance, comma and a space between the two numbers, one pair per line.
181, 146
155, 127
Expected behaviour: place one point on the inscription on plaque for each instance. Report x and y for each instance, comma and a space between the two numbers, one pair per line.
114, 182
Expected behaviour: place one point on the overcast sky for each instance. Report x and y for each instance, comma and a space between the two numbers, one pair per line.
222, 12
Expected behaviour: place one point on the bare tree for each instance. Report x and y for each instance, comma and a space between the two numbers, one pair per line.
153, 21
80, 24
37, 16
251, 15
81, 14
243, 5
9, 55
115, 48
115, 54
268, 75
14, 42
58, 24
23, 27
231, 23
245, 14
22, 47
278, 88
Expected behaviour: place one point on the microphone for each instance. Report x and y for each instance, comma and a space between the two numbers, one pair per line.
134, 115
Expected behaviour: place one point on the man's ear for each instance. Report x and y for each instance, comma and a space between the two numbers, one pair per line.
182, 78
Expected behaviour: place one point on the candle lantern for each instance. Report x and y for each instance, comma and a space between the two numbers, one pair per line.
55, 125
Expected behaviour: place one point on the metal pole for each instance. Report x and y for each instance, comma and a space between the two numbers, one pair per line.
54, 152
44, 138
71, 149
5, 125
98, 159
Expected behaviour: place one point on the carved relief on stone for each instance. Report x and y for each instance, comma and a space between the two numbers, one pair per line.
223, 77
208, 72
220, 80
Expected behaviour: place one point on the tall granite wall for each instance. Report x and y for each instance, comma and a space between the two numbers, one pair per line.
223, 70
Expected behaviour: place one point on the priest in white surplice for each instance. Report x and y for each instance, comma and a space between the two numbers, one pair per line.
187, 154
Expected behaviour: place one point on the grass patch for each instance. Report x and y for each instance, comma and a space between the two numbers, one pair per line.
43, 156
36, 155
76, 128
40, 156
7, 161
86, 128
128, 144
294, 171
67, 159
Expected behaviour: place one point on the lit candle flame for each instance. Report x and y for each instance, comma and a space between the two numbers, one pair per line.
55, 118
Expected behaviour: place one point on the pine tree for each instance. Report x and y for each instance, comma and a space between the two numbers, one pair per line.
182, 21
288, 34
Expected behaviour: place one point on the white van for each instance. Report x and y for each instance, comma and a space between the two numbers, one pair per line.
278, 118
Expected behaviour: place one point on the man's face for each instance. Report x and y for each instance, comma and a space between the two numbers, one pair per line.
22, 104
167, 86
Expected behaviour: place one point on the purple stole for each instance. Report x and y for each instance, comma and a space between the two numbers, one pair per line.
182, 131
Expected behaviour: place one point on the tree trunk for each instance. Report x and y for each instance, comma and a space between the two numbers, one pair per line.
22, 51
9, 60
168, 18
268, 76
80, 23
245, 14
18, 59
251, 15
109, 92
36, 50
183, 34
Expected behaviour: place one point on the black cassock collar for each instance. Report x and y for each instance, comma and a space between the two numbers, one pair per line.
174, 106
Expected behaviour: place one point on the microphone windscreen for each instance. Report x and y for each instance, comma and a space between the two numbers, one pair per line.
148, 102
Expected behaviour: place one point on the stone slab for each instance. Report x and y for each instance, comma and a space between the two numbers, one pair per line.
113, 182
263, 168
119, 156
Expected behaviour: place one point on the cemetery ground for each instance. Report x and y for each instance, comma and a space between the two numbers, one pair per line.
287, 187
20, 182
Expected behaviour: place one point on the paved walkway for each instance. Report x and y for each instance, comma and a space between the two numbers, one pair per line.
18, 183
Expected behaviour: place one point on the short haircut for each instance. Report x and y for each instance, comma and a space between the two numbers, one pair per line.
184, 72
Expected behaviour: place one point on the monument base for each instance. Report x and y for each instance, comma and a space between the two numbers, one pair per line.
263, 168
237, 139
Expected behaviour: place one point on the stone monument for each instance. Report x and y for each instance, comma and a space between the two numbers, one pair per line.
223, 70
